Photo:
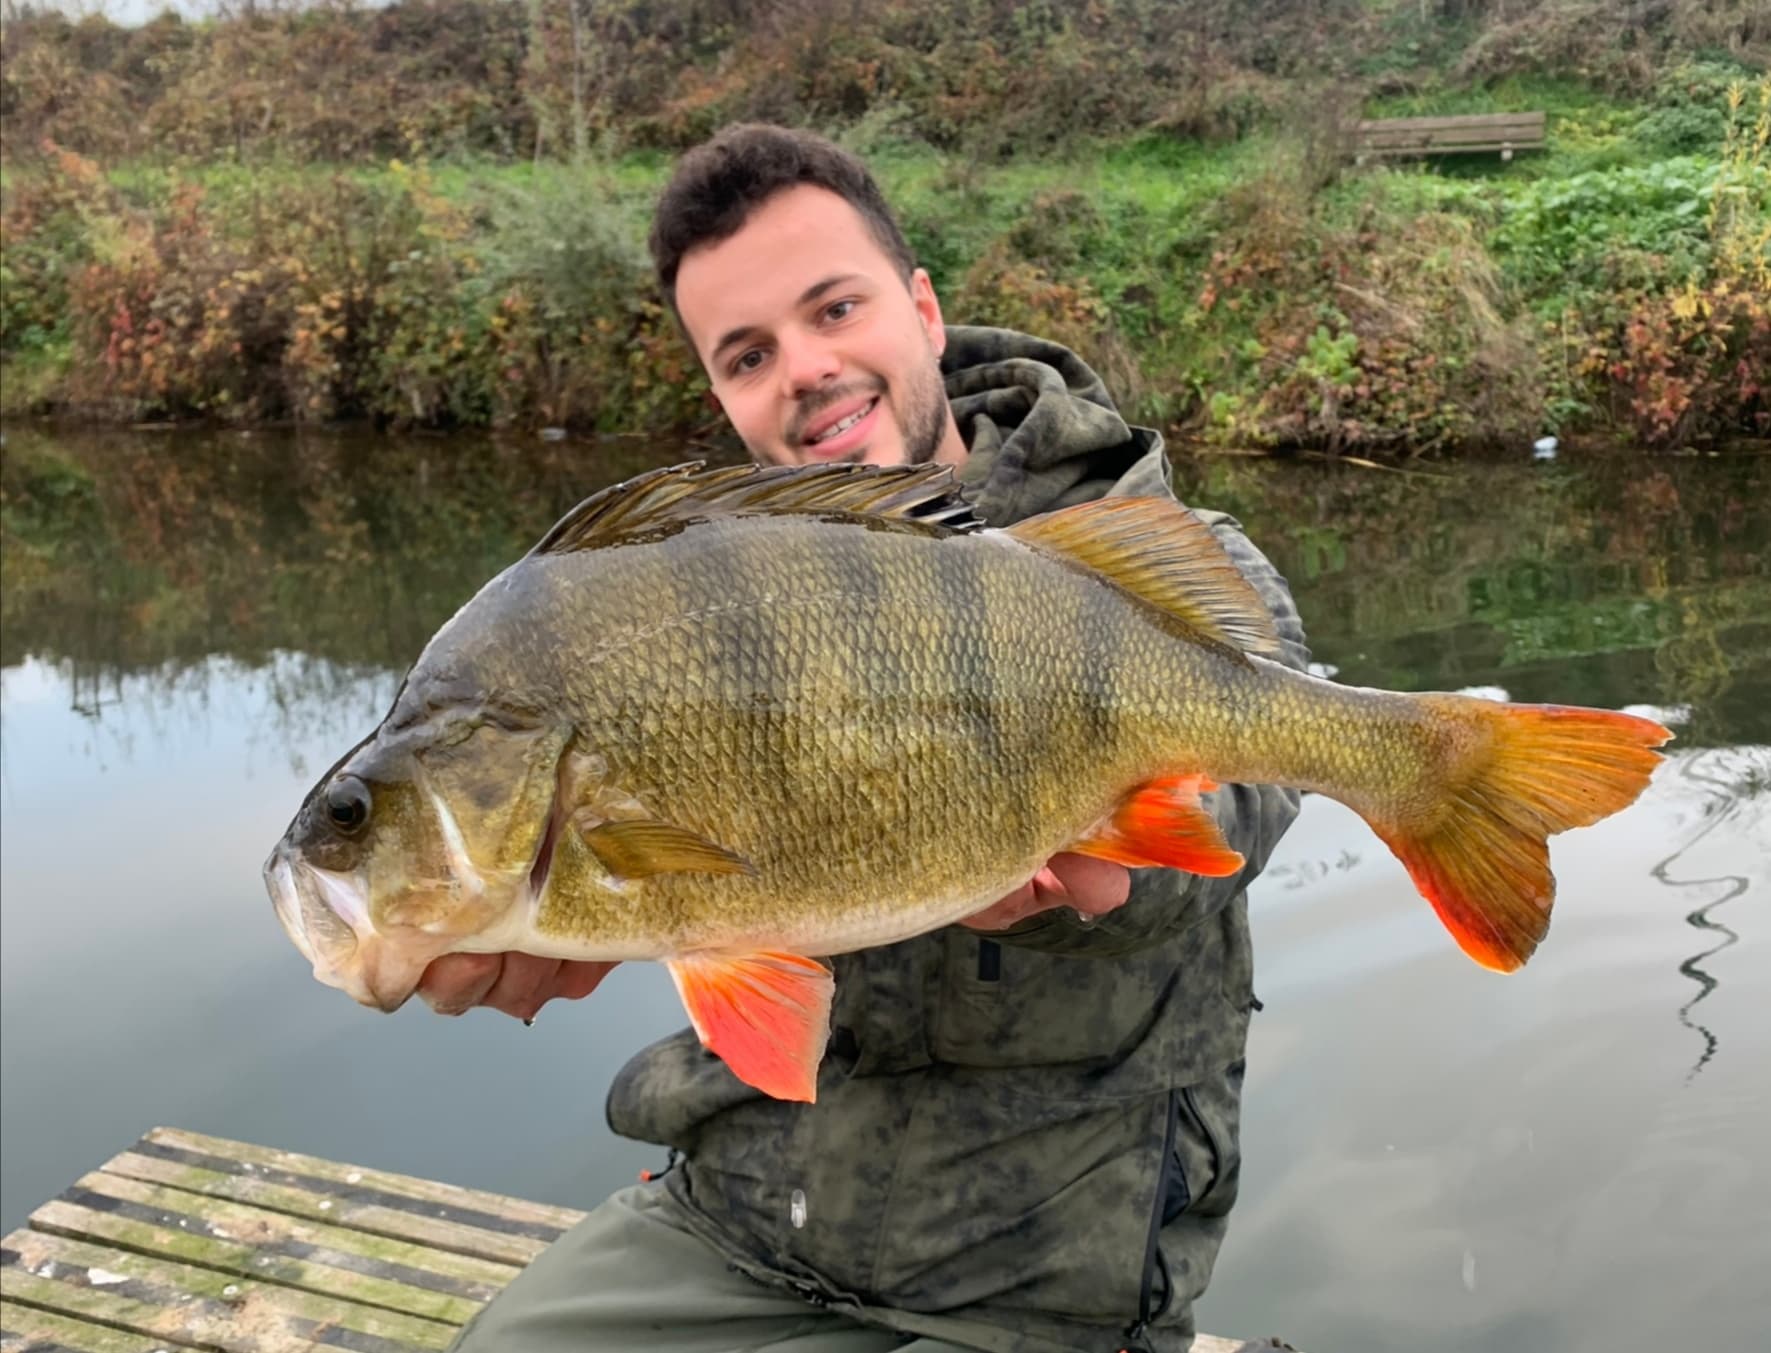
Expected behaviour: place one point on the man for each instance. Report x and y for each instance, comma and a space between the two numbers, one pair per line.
1032, 1144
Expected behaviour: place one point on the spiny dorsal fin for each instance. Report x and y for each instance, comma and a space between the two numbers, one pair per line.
1157, 550
926, 494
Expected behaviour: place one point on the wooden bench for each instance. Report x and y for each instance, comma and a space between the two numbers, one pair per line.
1503, 132
190, 1242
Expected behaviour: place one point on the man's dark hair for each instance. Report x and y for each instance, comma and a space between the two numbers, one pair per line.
720, 182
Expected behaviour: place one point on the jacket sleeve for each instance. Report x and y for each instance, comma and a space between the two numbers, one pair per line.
1252, 818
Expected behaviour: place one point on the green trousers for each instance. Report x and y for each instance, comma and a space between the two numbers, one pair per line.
629, 1277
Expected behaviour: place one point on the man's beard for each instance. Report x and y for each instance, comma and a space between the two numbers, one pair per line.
925, 416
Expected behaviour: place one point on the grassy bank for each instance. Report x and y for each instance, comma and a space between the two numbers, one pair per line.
1233, 277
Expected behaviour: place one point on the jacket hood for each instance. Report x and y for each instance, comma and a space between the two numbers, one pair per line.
1042, 430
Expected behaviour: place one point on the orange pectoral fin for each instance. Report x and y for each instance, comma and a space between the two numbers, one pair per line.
1163, 823
766, 1015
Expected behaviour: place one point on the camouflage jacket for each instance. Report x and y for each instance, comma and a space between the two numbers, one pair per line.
1021, 1141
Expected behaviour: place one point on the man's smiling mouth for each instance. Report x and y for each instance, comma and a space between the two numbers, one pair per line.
842, 425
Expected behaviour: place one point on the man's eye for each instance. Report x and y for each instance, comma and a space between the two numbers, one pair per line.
840, 310
748, 361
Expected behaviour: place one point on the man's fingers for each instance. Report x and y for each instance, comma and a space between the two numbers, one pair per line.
517, 984
457, 982
1011, 910
1089, 886
524, 986
578, 978
1092, 886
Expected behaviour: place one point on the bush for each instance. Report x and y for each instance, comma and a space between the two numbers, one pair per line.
1689, 111
1389, 336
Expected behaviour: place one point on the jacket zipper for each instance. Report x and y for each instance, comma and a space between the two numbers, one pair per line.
1147, 1310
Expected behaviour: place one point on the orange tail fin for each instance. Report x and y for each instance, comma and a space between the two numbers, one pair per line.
1480, 855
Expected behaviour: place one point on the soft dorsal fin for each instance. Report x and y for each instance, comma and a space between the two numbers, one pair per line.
1159, 551
925, 494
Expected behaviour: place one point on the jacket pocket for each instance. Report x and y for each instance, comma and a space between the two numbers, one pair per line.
1001, 1007
1208, 1149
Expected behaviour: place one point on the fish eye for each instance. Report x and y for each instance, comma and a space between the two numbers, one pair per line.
347, 803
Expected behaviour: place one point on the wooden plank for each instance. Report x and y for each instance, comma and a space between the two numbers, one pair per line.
1511, 133
270, 1236
1440, 147
346, 1278
543, 1218
399, 1215
25, 1329
394, 1222
1447, 137
216, 1310
1458, 120
1398, 152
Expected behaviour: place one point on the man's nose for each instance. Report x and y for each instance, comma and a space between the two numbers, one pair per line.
807, 363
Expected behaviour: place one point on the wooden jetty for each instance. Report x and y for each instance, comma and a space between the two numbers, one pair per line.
192, 1242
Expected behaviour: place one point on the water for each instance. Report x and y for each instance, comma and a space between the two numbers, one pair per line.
1571, 1158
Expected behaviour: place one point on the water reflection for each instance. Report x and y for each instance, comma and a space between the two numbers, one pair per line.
318, 560
133, 554
1608, 583
192, 625
1734, 784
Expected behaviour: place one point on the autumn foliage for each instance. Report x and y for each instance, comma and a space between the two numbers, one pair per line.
431, 213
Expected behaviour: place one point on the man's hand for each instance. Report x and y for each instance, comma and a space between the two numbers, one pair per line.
1088, 886
517, 984
520, 984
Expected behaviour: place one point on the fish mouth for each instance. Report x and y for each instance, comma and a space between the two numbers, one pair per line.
326, 916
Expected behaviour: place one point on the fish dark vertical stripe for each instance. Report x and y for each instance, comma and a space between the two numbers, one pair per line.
1016, 712
976, 676
755, 641
1102, 649
1066, 613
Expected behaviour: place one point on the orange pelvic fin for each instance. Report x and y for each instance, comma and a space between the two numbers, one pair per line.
766, 1015
1482, 857
1163, 823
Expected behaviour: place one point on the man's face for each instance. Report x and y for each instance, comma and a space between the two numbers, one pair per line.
817, 350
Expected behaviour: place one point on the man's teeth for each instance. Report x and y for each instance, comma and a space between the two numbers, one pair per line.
846, 423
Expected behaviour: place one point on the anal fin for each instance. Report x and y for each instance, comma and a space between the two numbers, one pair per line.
766, 1015
1163, 823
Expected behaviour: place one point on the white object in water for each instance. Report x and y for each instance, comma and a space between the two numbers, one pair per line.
1544, 448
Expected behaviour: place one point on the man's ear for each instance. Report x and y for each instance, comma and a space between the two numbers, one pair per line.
928, 309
